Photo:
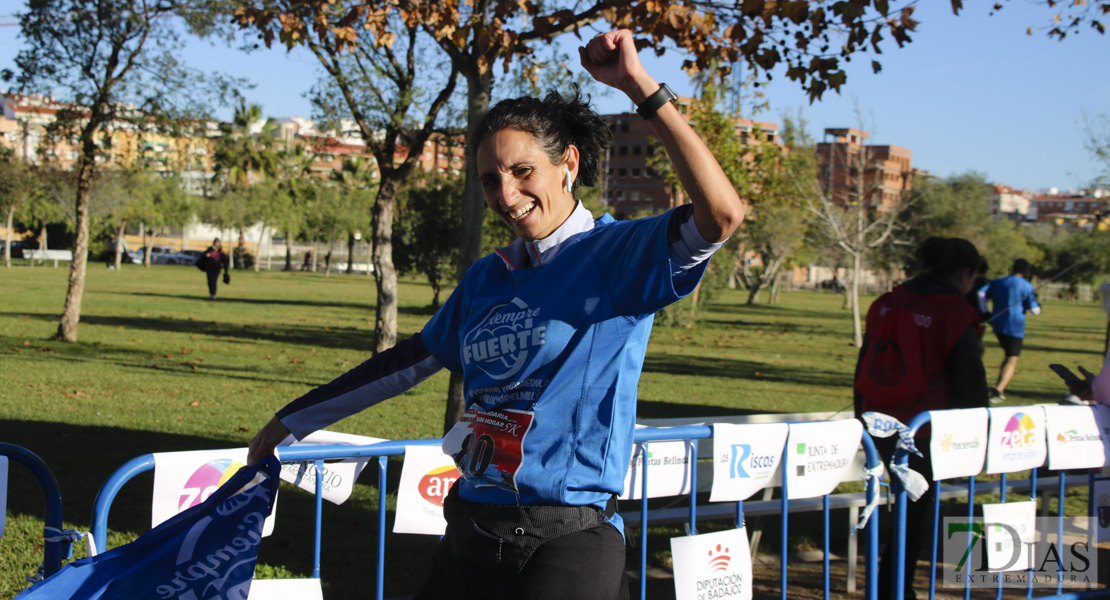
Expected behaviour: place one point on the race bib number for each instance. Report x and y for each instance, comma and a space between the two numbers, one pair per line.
488, 446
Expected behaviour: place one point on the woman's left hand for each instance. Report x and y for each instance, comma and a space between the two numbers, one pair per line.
611, 58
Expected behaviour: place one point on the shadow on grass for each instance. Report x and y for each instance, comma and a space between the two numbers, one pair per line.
84, 457
352, 339
426, 310
674, 364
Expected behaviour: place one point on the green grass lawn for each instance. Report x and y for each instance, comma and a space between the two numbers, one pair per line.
161, 368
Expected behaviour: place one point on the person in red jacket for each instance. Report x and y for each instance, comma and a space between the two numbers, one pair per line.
950, 368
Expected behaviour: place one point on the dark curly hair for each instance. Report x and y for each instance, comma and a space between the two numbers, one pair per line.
556, 122
943, 256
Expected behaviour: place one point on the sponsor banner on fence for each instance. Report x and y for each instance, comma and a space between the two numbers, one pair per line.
745, 458
1016, 441
668, 466
1075, 437
958, 444
819, 454
1010, 532
426, 477
185, 479
286, 589
339, 476
712, 566
3, 492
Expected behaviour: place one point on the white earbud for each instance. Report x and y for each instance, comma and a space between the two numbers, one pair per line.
569, 180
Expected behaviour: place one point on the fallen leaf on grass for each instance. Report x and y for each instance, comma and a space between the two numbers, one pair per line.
195, 403
242, 429
186, 350
758, 374
17, 349
27, 343
192, 366
267, 357
45, 349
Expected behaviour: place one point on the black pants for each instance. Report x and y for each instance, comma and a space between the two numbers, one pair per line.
213, 278
919, 521
588, 565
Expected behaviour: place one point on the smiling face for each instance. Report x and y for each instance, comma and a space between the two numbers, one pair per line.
523, 186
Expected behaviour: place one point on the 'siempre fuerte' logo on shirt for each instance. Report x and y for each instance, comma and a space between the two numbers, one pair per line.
501, 343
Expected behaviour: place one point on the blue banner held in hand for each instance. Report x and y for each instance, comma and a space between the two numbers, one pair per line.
204, 553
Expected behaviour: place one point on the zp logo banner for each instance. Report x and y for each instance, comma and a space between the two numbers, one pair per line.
183, 480
745, 459
1017, 439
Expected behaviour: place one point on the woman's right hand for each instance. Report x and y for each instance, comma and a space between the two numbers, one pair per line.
264, 442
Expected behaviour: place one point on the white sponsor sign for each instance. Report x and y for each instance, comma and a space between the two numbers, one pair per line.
339, 477
185, 479
819, 454
1016, 441
3, 492
426, 477
712, 566
285, 589
745, 459
959, 442
1010, 533
668, 466
1075, 437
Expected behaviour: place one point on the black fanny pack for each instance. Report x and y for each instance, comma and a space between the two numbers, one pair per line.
504, 537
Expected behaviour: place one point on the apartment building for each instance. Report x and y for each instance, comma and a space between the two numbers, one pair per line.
24, 129
1075, 210
629, 186
1009, 203
848, 167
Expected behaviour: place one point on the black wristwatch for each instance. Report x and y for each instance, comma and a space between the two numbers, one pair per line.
654, 102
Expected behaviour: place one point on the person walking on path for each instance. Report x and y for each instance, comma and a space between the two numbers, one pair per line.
549, 335
1010, 298
215, 260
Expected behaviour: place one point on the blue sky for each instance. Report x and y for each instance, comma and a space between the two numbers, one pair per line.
972, 92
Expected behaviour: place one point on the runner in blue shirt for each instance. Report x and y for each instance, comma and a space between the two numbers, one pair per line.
1010, 298
549, 334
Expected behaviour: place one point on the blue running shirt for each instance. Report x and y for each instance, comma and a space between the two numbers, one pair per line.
551, 358
1010, 298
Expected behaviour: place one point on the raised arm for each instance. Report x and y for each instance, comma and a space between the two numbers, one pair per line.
611, 58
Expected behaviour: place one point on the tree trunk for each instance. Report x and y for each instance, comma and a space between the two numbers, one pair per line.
857, 332
238, 262
8, 238
258, 250
754, 288
147, 239
776, 288
350, 253
479, 86
119, 243
385, 276
71, 315
694, 297
288, 252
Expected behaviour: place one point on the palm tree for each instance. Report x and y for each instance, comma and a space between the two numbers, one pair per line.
241, 159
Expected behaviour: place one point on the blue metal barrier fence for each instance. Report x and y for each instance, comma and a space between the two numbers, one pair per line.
902, 570
54, 548
383, 450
